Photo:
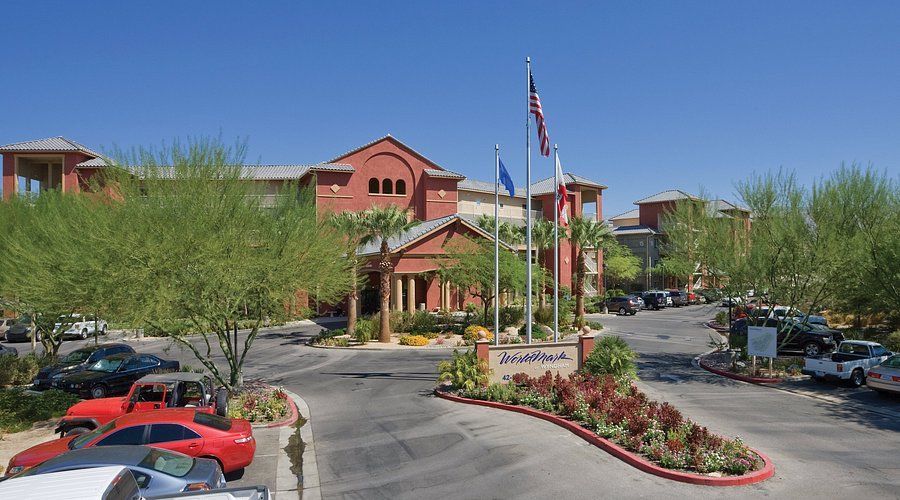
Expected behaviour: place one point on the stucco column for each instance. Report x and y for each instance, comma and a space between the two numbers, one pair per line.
398, 293
411, 294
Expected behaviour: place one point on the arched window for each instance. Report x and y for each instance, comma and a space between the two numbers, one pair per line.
387, 187
373, 186
401, 187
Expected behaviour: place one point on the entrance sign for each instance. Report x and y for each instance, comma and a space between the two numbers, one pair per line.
534, 360
762, 341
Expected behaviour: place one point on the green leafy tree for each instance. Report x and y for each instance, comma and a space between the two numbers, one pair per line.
586, 234
470, 266
195, 240
351, 226
620, 264
382, 224
542, 240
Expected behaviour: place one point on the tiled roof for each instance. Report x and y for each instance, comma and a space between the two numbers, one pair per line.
418, 231
443, 174
332, 167
631, 214
726, 205
273, 172
50, 144
668, 195
627, 230
486, 187
548, 185
94, 163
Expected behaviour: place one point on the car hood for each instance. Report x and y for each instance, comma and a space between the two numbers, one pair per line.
97, 407
41, 452
18, 328
49, 371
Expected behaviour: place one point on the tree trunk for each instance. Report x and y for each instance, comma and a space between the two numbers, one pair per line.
385, 268
579, 285
351, 302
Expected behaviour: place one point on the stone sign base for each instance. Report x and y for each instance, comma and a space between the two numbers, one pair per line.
534, 360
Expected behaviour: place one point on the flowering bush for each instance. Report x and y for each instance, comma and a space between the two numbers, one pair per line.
472, 331
616, 410
414, 340
259, 403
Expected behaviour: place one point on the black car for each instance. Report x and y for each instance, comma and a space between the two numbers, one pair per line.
623, 305
76, 361
21, 331
112, 375
8, 351
794, 336
678, 298
655, 300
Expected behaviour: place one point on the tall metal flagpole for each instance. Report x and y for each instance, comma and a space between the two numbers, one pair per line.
555, 244
497, 244
528, 198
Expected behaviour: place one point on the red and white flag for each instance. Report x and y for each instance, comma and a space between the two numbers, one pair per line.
534, 107
561, 194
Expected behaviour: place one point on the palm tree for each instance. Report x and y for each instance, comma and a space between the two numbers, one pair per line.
586, 233
383, 223
352, 226
542, 239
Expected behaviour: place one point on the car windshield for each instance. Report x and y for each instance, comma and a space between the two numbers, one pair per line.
892, 362
24, 320
87, 437
167, 462
77, 356
106, 365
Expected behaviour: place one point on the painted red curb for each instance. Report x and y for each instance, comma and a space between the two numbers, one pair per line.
737, 376
626, 456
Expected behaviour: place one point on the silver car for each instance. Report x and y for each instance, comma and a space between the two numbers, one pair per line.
158, 472
885, 377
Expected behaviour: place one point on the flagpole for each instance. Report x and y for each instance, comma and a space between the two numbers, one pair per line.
528, 198
497, 244
556, 244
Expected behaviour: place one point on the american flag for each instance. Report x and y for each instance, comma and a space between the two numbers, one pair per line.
534, 105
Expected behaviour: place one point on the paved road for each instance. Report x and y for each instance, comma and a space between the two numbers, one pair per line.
380, 434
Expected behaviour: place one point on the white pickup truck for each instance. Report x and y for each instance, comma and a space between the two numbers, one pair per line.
850, 361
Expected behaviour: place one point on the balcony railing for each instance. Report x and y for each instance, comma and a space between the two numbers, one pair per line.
589, 289
590, 262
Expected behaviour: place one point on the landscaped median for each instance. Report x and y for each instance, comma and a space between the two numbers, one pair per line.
727, 364
606, 409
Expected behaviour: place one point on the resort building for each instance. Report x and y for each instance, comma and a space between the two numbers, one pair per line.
383, 172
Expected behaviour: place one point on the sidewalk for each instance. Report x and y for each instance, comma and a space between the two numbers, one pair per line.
285, 459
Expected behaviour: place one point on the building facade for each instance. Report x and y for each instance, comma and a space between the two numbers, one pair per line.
383, 172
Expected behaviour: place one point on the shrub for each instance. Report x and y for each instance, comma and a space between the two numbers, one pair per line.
365, 329
464, 371
892, 343
413, 340
612, 356
509, 316
544, 316
422, 322
259, 404
19, 410
20, 371
335, 342
537, 333
722, 318
471, 333
430, 335
595, 325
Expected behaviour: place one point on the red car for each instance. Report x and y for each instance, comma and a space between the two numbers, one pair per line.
198, 434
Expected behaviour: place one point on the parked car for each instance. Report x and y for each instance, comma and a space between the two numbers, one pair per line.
80, 326
885, 378
731, 301
623, 305
150, 392
101, 483
76, 361
185, 430
8, 351
656, 300
850, 362
6, 324
639, 298
679, 298
812, 340
156, 471
21, 330
111, 375
693, 298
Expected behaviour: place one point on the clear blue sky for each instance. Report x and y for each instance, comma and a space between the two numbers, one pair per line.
641, 96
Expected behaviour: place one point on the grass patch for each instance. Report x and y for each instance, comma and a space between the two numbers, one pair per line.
20, 410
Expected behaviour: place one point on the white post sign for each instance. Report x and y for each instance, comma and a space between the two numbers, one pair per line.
762, 341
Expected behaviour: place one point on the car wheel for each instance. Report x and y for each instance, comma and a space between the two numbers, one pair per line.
633, 313
222, 402
84, 334
857, 378
98, 391
103, 330
622, 311
812, 349
74, 431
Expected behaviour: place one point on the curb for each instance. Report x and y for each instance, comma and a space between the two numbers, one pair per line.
735, 376
626, 456
287, 484
383, 349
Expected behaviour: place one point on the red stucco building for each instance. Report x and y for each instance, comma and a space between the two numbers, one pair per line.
383, 172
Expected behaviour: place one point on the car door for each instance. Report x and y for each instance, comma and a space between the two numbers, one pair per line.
149, 397
128, 373
133, 435
175, 437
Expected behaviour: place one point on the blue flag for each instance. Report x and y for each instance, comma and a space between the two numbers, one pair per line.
506, 180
